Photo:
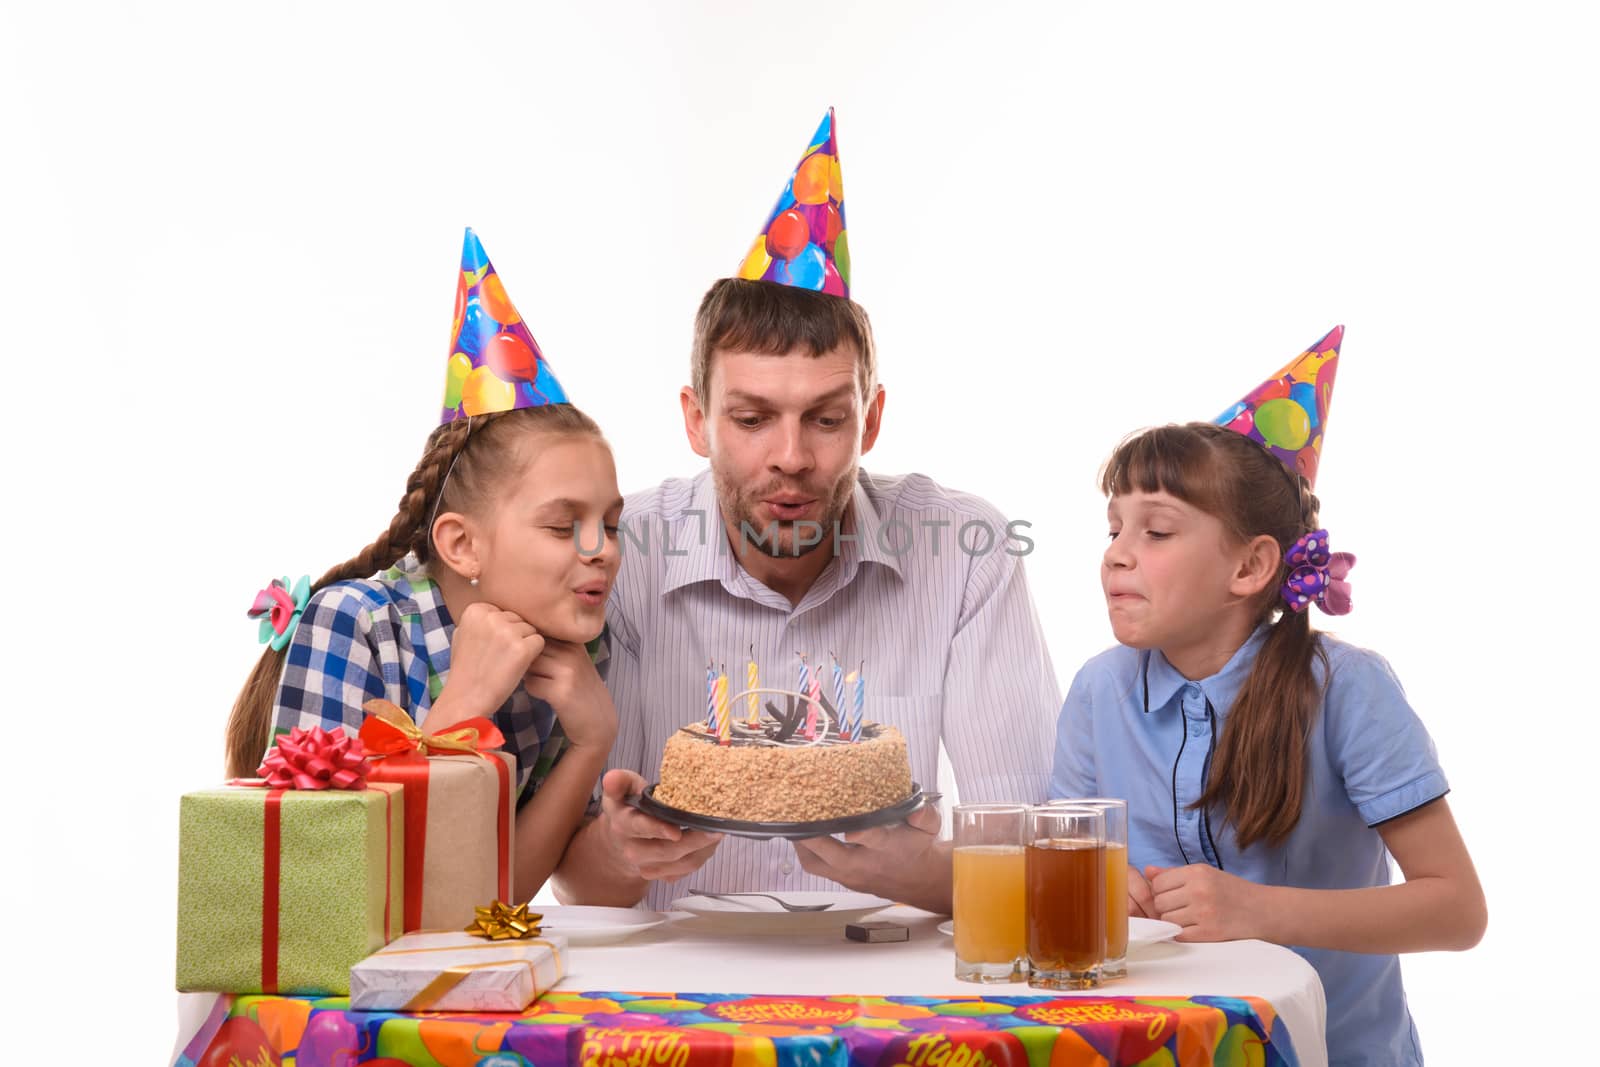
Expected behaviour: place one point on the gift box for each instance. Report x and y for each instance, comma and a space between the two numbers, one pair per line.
283, 890
435, 971
459, 813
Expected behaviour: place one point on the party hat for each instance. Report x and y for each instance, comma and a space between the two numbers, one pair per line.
803, 242
495, 364
1288, 413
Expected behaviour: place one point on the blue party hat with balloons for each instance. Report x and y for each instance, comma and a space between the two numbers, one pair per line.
1288, 413
495, 364
803, 242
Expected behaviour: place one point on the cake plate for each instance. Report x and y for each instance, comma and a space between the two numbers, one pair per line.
761, 831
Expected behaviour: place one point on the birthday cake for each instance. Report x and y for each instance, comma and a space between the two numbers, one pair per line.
797, 765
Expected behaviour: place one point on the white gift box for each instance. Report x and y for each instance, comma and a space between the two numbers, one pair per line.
444, 971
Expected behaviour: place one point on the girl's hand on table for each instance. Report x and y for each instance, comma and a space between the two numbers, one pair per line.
1141, 899
1209, 904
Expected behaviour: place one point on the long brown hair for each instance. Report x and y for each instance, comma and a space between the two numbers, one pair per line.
484, 455
749, 316
1258, 776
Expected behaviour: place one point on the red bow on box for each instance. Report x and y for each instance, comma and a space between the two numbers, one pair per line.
389, 731
315, 759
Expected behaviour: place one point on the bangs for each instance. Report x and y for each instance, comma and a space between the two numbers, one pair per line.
1175, 460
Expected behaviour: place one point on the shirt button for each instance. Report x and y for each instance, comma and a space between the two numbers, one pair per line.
787, 867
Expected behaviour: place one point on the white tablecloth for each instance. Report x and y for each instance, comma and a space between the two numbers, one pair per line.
693, 955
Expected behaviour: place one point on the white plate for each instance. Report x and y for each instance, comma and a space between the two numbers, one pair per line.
761, 913
947, 928
1142, 932
583, 924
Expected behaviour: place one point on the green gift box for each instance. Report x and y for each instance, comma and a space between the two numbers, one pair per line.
282, 891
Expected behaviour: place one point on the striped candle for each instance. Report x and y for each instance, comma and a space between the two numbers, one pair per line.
752, 680
724, 713
813, 706
860, 699
838, 697
711, 696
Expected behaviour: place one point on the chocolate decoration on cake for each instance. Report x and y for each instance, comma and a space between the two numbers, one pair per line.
805, 760
781, 727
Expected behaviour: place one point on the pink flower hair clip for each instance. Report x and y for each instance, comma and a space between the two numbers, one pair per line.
1317, 576
279, 609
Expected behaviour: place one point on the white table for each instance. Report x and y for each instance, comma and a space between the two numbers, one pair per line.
692, 954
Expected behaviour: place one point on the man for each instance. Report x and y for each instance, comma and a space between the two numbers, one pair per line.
786, 546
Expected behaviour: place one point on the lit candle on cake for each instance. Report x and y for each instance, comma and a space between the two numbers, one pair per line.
838, 696
724, 713
752, 680
860, 699
804, 690
711, 696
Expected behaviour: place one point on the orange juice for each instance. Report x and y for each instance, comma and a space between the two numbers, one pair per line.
990, 922
1116, 901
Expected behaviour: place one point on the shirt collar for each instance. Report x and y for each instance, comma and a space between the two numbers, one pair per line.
700, 550
873, 544
695, 544
1165, 681
420, 602
410, 587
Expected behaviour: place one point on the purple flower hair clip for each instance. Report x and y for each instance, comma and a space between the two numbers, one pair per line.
1317, 576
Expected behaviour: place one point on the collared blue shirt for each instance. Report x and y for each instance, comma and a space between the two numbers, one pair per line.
1370, 760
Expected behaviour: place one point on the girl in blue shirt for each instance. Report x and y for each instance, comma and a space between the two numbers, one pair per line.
1270, 770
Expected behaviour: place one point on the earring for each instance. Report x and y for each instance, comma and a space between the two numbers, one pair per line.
473, 581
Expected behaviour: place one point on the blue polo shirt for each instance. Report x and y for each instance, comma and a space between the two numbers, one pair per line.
1370, 760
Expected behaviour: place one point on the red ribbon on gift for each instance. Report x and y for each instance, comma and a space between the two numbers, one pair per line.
390, 735
389, 731
301, 759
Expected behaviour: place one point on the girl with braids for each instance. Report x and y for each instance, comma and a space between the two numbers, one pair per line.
1270, 770
486, 594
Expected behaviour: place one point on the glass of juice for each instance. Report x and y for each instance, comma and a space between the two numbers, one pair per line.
1065, 869
990, 932
1116, 812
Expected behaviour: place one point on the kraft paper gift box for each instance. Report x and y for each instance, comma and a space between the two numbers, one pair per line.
283, 890
460, 812
437, 971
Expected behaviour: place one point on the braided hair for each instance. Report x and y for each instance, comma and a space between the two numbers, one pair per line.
464, 463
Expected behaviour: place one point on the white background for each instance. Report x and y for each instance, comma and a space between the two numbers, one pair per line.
227, 268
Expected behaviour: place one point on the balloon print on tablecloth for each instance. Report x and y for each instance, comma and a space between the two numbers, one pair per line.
239, 1040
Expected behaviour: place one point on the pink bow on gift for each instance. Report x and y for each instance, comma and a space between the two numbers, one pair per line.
315, 759
1318, 576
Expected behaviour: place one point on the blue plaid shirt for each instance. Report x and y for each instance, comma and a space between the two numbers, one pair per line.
389, 637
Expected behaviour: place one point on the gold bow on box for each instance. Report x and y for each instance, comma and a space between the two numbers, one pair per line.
502, 922
389, 731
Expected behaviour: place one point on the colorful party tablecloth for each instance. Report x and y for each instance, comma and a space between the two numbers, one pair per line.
654, 1029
